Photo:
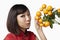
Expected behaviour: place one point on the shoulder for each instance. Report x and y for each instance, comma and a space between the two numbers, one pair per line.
10, 36
31, 33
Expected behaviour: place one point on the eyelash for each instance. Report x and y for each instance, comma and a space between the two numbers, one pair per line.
23, 16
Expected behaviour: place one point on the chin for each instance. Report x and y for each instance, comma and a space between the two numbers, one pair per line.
27, 27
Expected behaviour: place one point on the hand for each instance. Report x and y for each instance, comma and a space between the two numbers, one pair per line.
37, 25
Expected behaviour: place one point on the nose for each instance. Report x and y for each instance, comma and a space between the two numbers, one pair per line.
28, 18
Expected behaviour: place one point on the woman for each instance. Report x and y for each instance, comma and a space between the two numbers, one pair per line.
18, 22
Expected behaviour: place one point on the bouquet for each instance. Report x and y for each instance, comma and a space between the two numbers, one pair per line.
46, 16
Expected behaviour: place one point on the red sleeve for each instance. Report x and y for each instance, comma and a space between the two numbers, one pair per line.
10, 37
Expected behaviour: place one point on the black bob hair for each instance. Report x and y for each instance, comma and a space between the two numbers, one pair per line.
12, 24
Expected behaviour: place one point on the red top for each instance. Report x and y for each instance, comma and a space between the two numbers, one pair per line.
28, 36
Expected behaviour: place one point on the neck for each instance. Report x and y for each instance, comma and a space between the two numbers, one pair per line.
23, 30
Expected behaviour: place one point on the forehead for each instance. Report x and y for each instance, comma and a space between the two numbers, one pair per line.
26, 12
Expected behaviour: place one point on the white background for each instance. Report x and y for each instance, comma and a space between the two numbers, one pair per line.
33, 5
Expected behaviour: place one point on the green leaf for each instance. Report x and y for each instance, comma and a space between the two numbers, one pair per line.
51, 23
59, 23
57, 13
52, 9
44, 18
53, 16
51, 26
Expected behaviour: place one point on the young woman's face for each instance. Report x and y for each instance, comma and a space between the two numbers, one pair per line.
24, 20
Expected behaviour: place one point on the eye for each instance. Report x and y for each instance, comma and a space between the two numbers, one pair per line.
29, 14
22, 16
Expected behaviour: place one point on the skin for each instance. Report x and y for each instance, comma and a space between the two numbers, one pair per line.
24, 20
24, 23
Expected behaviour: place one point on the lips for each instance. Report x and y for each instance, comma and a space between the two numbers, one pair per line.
28, 23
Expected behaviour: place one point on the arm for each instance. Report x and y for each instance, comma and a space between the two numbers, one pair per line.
40, 31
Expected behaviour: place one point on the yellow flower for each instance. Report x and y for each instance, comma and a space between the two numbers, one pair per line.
58, 10
40, 24
38, 13
50, 13
49, 8
45, 11
44, 6
46, 23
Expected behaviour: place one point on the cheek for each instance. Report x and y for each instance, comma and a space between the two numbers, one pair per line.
30, 18
20, 21
21, 24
